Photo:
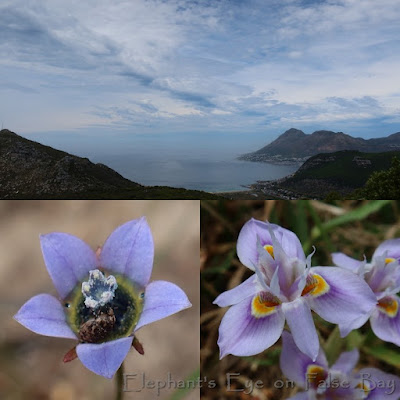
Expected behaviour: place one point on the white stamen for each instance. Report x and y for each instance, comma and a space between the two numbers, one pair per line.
85, 287
98, 290
90, 302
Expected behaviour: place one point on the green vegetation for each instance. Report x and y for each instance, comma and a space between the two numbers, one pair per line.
382, 184
341, 167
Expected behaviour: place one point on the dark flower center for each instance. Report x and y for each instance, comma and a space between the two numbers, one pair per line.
105, 320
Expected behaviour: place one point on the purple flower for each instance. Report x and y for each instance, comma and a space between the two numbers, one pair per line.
105, 297
285, 287
383, 277
338, 381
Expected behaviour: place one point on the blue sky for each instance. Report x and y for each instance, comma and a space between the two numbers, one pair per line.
244, 71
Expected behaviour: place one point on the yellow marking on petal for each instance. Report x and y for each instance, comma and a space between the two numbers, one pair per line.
270, 249
263, 305
365, 387
389, 260
315, 375
316, 286
389, 306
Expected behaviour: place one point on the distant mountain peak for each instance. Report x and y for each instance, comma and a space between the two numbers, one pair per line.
293, 131
295, 145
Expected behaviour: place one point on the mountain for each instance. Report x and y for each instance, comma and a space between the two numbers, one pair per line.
31, 170
341, 172
295, 146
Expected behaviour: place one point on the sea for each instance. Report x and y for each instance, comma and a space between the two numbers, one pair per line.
206, 161
207, 175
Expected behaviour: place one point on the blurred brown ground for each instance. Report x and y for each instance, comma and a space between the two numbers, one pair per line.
31, 365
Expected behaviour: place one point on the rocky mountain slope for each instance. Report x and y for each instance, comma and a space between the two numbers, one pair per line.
31, 170
296, 146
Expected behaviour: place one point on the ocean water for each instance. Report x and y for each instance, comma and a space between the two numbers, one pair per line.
206, 161
209, 175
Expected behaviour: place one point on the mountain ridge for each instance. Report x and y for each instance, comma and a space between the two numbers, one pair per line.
296, 146
29, 169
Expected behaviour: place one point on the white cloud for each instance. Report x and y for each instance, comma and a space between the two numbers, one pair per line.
222, 65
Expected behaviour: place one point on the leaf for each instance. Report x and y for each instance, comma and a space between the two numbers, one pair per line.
354, 340
332, 345
384, 354
226, 264
356, 214
272, 354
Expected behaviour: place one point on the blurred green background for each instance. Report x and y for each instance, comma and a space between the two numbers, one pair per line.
353, 227
31, 365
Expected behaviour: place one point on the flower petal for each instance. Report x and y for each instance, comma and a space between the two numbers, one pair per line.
346, 362
241, 334
356, 323
347, 300
105, 358
383, 386
129, 251
387, 327
343, 261
294, 363
389, 248
239, 293
45, 315
301, 324
161, 300
247, 242
68, 260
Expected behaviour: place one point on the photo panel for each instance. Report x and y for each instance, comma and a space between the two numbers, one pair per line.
299, 299
99, 284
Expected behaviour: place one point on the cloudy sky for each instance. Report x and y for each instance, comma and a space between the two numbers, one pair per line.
246, 68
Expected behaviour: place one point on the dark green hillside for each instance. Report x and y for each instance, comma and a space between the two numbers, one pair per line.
350, 168
340, 172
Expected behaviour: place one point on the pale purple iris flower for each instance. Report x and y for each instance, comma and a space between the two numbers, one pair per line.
383, 277
285, 288
338, 381
74, 268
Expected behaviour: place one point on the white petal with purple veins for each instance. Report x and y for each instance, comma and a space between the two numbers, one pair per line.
294, 363
301, 324
346, 362
348, 299
238, 293
387, 325
242, 334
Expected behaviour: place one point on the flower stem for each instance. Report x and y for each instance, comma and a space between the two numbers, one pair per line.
120, 382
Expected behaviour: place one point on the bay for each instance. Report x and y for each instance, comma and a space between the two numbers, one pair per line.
208, 175
206, 161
